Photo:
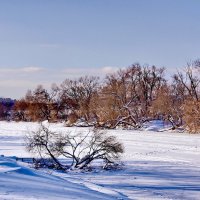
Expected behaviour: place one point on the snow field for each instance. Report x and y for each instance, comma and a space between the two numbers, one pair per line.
157, 165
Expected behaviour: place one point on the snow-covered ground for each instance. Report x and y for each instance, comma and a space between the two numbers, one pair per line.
157, 165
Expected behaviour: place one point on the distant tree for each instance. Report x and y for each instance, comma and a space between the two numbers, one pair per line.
42, 104
190, 80
187, 87
150, 81
127, 96
6, 108
167, 106
20, 110
192, 116
80, 93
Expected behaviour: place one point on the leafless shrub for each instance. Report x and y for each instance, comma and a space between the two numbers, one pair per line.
80, 148
42, 142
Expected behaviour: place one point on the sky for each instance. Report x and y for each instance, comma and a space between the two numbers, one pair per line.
47, 41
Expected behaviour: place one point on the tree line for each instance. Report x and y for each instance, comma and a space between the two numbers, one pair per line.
127, 98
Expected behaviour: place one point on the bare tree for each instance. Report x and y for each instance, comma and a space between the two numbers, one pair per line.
127, 96
20, 110
167, 106
6, 108
191, 116
186, 87
42, 105
190, 80
81, 148
43, 142
150, 81
80, 92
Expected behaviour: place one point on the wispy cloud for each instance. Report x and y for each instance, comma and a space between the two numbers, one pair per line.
14, 82
102, 71
109, 69
32, 69
23, 69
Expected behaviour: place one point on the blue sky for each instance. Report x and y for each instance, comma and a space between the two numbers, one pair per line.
46, 41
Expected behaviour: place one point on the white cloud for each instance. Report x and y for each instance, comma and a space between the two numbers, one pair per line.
102, 71
14, 82
20, 70
109, 69
31, 69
